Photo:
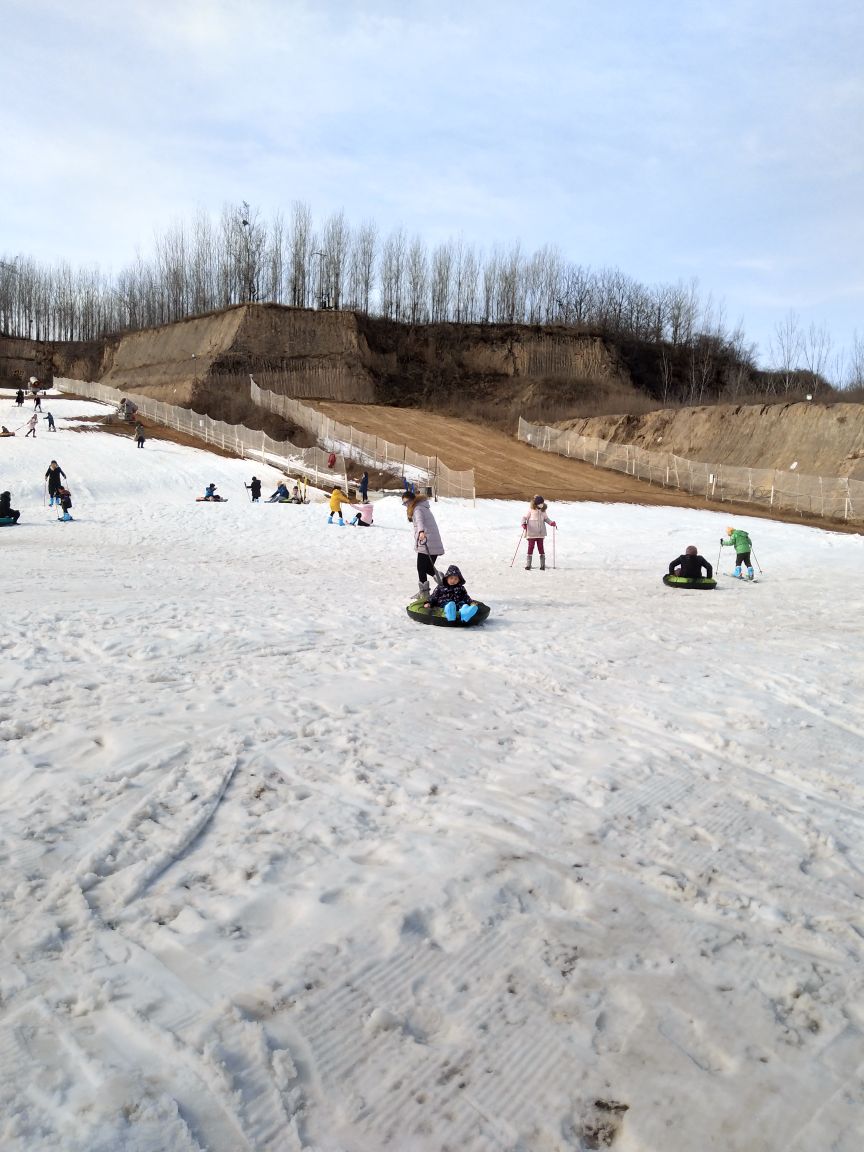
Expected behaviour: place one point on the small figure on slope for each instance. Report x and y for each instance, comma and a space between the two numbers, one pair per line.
690, 565
4, 431
296, 496
255, 489
37, 402
337, 499
139, 434
31, 426
534, 526
453, 597
210, 493
50, 419
427, 539
363, 487
7, 512
64, 499
281, 493
363, 519
19, 398
740, 541
55, 477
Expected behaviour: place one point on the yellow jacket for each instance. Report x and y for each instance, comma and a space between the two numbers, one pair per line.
337, 499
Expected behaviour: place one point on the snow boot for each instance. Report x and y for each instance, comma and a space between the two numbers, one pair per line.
528, 563
424, 592
542, 563
330, 518
737, 572
468, 612
450, 611
341, 522
750, 574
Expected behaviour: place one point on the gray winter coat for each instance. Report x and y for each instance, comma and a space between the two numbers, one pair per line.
424, 521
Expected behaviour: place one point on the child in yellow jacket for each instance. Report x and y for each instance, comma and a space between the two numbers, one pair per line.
337, 499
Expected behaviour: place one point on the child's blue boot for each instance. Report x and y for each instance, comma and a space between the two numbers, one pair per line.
750, 573
450, 611
330, 518
468, 612
737, 572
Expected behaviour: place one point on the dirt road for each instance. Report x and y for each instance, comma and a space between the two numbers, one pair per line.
507, 469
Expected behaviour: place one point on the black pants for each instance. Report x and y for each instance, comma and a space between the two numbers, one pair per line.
743, 558
425, 566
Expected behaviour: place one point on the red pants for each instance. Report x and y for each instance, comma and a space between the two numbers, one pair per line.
539, 542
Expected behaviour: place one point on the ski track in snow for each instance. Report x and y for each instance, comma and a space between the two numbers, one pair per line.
282, 871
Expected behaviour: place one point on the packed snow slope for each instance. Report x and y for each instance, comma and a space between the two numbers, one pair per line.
283, 870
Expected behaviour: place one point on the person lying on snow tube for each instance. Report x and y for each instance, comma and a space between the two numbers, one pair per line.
690, 565
452, 596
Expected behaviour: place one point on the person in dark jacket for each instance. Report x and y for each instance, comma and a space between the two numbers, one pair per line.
19, 397
255, 489
139, 434
50, 419
55, 477
7, 512
690, 565
64, 499
363, 487
452, 596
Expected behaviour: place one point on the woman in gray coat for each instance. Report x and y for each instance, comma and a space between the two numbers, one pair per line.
427, 540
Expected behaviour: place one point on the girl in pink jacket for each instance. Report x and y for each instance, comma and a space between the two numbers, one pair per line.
534, 526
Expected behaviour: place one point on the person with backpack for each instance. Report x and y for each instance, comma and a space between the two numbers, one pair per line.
741, 542
534, 526
55, 477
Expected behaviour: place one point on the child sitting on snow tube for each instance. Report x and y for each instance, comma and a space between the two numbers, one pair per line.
452, 596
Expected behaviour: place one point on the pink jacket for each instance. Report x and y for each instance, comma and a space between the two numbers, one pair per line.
534, 524
365, 511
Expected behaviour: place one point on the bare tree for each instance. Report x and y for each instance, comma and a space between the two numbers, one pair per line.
301, 246
441, 278
418, 278
785, 350
362, 266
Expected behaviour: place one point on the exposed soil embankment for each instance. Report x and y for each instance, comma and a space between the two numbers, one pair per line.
819, 439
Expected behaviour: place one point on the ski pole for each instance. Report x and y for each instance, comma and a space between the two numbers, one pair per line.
554, 535
758, 565
719, 554
518, 546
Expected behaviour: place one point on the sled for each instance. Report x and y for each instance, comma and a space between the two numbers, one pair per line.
5, 521
423, 615
687, 582
212, 500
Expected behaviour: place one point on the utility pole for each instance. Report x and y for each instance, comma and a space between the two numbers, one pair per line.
322, 303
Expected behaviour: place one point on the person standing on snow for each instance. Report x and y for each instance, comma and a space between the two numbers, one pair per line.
55, 477
534, 526
50, 419
19, 398
255, 489
740, 541
139, 434
64, 499
363, 487
37, 402
690, 565
427, 540
337, 499
31, 426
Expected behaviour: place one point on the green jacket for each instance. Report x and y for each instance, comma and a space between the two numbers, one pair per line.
740, 540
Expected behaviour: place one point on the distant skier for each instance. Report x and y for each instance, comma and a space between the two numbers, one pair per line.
690, 565
139, 434
55, 477
534, 526
363, 487
64, 499
50, 419
7, 512
741, 542
331, 460
31, 426
37, 402
337, 499
255, 489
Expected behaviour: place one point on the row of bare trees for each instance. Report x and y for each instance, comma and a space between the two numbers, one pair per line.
210, 264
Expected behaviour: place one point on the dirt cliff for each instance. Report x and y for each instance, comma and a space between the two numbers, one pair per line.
819, 439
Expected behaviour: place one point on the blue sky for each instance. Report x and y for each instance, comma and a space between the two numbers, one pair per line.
672, 139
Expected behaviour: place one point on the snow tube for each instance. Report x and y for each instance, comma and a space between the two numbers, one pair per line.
423, 615
5, 521
213, 500
686, 582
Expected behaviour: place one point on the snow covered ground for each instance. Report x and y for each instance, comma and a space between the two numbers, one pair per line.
283, 870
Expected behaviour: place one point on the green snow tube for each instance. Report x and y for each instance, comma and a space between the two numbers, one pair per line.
423, 615
686, 582
5, 520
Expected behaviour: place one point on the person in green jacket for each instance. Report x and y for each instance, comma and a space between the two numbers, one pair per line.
740, 541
